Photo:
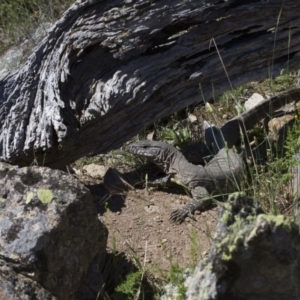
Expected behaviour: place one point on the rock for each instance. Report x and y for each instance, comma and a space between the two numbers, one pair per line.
253, 101
14, 286
95, 170
276, 125
151, 208
150, 135
50, 236
253, 256
192, 118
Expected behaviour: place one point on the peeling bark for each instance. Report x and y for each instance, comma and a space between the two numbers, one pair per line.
107, 68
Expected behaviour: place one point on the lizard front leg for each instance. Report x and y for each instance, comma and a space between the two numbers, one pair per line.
200, 201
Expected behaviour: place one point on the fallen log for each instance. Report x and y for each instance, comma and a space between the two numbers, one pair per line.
108, 68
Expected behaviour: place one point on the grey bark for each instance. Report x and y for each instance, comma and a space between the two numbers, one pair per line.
107, 68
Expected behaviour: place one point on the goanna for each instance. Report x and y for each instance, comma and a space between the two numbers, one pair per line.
221, 175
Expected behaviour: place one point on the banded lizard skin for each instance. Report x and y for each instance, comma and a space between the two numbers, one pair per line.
222, 174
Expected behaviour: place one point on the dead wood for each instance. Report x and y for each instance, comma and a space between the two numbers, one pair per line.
107, 68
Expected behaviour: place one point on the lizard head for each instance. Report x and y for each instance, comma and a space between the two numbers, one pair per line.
165, 156
162, 154
146, 148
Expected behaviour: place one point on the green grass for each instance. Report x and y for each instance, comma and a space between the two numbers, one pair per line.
233, 95
19, 18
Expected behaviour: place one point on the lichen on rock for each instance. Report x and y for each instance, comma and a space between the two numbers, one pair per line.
50, 235
253, 256
45, 196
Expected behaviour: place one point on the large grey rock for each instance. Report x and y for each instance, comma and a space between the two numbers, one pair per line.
14, 286
253, 256
50, 236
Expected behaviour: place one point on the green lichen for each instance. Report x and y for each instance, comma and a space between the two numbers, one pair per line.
29, 197
2, 200
45, 196
276, 221
226, 216
229, 245
280, 220
232, 241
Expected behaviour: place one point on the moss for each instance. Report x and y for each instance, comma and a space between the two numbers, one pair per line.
45, 196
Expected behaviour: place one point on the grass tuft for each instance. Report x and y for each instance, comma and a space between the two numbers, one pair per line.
20, 18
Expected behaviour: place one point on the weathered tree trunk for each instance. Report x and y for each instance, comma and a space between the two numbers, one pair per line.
107, 68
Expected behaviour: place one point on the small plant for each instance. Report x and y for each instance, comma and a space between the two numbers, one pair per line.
177, 279
176, 131
271, 182
177, 137
233, 95
177, 276
279, 84
129, 287
195, 253
292, 143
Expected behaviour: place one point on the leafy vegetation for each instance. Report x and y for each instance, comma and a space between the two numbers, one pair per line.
19, 18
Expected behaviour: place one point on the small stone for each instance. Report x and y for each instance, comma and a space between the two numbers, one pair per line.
253, 101
157, 219
77, 171
151, 208
192, 118
150, 136
95, 170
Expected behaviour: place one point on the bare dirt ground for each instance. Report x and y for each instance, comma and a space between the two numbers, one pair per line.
138, 225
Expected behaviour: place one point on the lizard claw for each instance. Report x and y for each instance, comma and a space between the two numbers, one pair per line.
179, 215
